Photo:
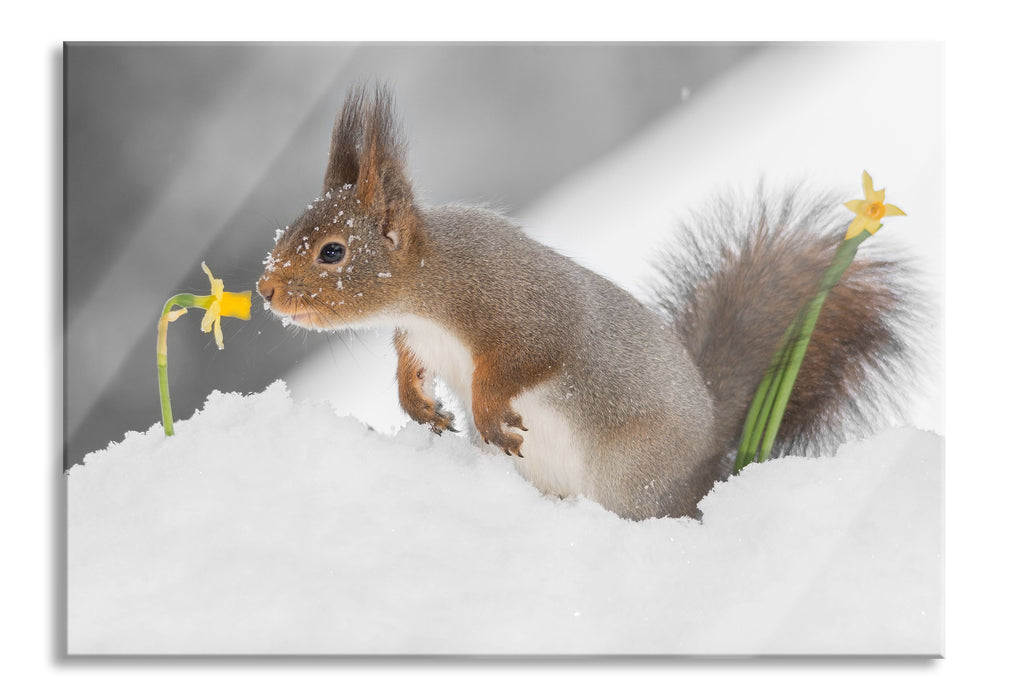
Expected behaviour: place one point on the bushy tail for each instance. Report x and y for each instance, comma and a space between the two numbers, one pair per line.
736, 281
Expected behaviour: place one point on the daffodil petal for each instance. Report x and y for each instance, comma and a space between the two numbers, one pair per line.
893, 210
877, 196
867, 184
216, 285
872, 225
856, 205
218, 335
213, 313
855, 227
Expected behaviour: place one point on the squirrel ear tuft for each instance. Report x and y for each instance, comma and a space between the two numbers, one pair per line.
382, 184
381, 170
367, 152
348, 133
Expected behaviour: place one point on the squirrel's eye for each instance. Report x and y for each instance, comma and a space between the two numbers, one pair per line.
332, 253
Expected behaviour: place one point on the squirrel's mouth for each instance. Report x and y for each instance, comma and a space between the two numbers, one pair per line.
301, 312
305, 318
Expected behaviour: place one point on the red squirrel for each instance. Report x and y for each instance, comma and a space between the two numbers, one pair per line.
589, 390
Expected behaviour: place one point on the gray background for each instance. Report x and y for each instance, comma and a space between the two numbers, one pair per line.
176, 154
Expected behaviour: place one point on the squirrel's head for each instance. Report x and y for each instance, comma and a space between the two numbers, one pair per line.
347, 258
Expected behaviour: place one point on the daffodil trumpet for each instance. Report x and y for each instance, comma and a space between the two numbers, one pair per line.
760, 429
218, 303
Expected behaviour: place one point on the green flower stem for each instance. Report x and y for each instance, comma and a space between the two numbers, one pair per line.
762, 402
185, 301
768, 407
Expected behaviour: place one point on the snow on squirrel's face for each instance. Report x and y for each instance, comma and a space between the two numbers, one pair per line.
331, 268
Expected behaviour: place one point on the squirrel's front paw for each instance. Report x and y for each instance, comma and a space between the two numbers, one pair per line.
440, 420
494, 434
428, 412
433, 415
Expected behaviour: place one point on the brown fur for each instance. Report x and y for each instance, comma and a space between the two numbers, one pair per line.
348, 133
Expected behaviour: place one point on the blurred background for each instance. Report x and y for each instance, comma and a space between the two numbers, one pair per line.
176, 154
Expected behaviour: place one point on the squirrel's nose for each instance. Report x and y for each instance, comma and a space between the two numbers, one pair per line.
265, 289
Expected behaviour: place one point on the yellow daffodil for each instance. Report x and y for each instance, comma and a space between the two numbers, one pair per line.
223, 303
870, 210
218, 303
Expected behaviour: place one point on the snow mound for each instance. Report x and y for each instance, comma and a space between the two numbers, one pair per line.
266, 526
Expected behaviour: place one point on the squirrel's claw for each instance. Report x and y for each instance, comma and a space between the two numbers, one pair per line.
514, 420
493, 420
508, 442
440, 420
437, 420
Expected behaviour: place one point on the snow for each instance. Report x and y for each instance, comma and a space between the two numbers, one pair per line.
268, 525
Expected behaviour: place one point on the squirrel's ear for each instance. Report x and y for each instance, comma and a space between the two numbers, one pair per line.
348, 133
382, 184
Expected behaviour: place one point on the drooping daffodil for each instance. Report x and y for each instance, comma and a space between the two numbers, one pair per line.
217, 304
222, 303
870, 210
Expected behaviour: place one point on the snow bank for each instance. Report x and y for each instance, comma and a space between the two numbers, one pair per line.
269, 526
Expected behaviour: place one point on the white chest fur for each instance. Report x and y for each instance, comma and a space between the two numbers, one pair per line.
553, 457
441, 353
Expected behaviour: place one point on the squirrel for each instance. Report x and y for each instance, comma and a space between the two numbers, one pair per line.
590, 391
